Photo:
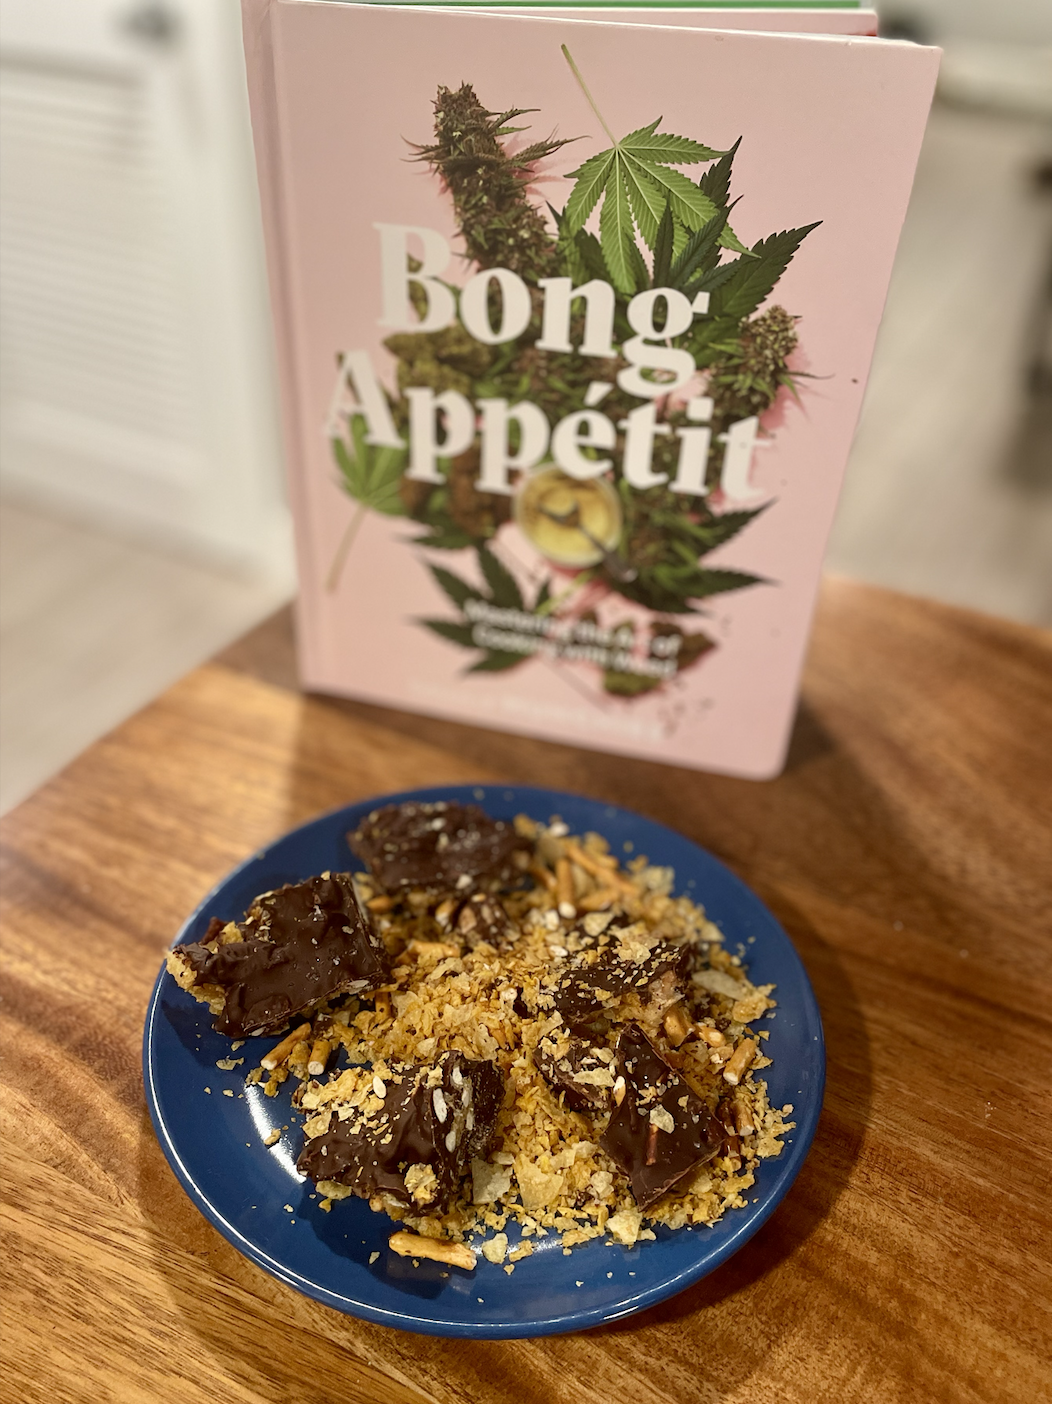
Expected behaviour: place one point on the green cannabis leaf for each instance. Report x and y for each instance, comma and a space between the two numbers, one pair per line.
444, 536
668, 588
504, 588
503, 593
454, 633
493, 661
459, 591
716, 184
699, 256
753, 278
646, 212
372, 476
636, 182
705, 536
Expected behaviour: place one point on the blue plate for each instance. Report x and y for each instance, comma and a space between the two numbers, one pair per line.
212, 1127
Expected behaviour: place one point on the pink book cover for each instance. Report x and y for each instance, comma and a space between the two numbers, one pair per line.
574, 320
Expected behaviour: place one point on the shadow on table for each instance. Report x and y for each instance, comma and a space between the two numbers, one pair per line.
278, 1345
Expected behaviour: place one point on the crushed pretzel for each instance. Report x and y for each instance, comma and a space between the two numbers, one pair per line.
676, 1025
445, 912
441, 950
588, 861
278, 1055
439, 1250
381, 904
599, 899
298, 1060
604, 871
545, 877
739, 1061
651, 1146
744, 1121
712, 1037
564, 893
319, 1057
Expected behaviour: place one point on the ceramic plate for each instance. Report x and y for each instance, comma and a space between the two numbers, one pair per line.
212, 1127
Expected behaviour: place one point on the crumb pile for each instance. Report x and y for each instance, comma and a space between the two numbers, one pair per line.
501, 1024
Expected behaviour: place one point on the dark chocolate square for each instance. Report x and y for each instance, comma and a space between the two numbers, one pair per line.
438, 847
653, 1158
569, 1069
438, 1116
301, 944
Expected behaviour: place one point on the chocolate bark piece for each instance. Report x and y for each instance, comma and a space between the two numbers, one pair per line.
593, 981
299, 945
417, 1141
441, 846
575, 1067
487, 1086
662, 1130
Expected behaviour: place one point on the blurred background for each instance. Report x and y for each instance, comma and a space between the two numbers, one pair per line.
142, 518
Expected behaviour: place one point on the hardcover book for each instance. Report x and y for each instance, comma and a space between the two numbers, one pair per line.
574, 318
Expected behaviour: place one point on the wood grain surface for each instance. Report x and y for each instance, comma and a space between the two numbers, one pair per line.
907, 849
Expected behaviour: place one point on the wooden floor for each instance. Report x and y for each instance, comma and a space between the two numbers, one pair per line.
948, 494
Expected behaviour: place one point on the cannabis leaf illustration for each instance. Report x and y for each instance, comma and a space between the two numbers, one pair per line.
654, 228
370, 475
444, 534
748, 281
504, 588
716, 184
503, 593
698, 258
637, 183
670, 588
665, 545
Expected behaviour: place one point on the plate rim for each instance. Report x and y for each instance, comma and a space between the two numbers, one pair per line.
786, 1170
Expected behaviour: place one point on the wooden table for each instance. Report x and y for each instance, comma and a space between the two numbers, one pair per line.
908, 851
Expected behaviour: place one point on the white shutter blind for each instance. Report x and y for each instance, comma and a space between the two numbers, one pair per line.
99, 369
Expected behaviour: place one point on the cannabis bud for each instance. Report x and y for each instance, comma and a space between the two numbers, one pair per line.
748, 377
500, 227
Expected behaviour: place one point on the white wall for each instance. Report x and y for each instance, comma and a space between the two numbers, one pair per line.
138, 386
1014, 21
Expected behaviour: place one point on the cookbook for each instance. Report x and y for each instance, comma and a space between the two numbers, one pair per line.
573, 320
